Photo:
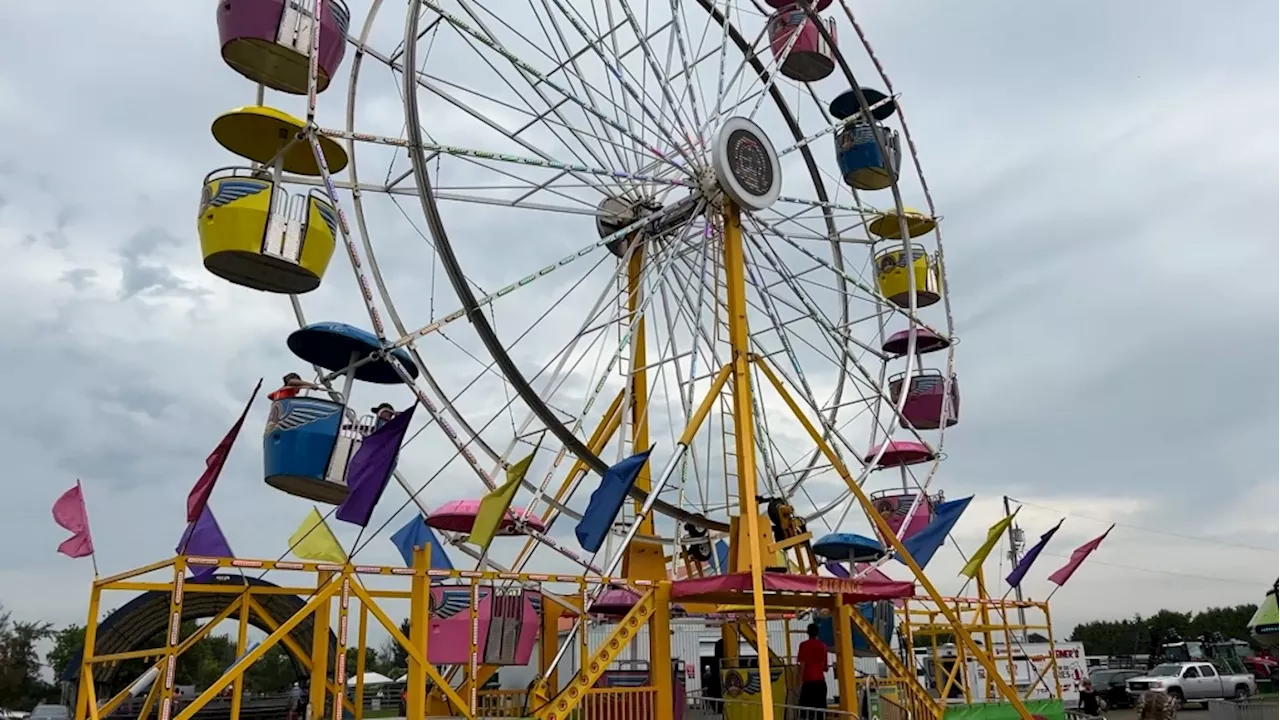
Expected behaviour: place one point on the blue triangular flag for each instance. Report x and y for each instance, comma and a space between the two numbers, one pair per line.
415, 533
607, 500
722, 556
371, 468
925, 543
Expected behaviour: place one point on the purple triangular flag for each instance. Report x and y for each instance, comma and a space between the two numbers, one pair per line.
1020, 570
204, 537
371, 468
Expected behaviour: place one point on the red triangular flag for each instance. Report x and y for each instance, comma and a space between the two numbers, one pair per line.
1064, 573
199, 496
70, 514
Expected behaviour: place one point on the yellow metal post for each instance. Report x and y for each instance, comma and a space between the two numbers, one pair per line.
547, 642
984, 601
362, 641
639, 375
340, 660
320, 650
846, 681
83, 696
1006, 690
744, 429
419, 620
242, 645
173, 629
660, 670
322, 596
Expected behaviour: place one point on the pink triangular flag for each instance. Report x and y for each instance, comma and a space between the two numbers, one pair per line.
70, 513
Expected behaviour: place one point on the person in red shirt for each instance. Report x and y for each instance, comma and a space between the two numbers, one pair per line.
812, 658
293, 384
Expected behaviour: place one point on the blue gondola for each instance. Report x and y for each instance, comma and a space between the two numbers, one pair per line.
310, 440
848, 547
861, 163
879, 614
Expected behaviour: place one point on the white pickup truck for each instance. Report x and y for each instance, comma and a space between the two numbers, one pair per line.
1189, 682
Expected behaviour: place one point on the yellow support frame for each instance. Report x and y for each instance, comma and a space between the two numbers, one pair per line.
920, 618
563, 704
966, 641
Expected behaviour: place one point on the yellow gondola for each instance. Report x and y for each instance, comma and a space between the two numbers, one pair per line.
254, 233
260, 133
893, 281
886, 225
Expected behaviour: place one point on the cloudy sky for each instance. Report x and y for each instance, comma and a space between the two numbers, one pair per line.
1107, 176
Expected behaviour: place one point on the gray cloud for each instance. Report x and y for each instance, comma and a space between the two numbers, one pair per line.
1107, 181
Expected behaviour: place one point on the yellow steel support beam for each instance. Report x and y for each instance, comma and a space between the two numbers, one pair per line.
152, 693
172, 629
340, 657
416, 653
320, 648
660, 649
323, 594
564, 703
1006, 690
86, 698
910, 681
362, 641
160, 665
299, 653
419, 617
744, 426
242, 646
639, 375
108, 582
846, 682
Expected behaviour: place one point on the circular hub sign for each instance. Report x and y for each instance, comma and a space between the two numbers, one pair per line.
746, 165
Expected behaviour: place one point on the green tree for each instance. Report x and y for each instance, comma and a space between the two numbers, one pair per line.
20, 683
393, 654
67, 644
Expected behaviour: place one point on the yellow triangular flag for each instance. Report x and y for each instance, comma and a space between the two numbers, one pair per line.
993, 536
493, 506
313, 540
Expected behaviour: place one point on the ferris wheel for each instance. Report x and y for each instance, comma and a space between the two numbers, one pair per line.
596, 228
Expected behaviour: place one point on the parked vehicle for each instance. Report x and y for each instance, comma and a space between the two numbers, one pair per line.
50, 712
1112, 686
1193, 682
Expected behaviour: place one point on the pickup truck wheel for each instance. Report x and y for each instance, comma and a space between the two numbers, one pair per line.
1242, 692
1178, 700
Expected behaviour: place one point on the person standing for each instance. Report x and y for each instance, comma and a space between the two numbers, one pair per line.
295, 702
1156, 706
812, 658
1089, 699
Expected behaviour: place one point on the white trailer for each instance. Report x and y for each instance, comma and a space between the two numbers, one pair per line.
1030, 666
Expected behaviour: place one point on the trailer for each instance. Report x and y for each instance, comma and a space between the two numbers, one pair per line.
1046, 671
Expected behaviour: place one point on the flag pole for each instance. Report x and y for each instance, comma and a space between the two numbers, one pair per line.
1015, 558
93, 551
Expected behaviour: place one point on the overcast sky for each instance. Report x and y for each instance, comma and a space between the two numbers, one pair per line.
1107, 175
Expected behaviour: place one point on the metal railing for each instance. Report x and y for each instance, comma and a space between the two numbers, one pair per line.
1258, 708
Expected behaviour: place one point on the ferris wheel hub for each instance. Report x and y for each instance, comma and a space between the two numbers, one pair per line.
746, 164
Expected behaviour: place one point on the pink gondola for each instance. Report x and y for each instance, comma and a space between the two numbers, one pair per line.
810, 58
507, 626
460, 515
901, 453
893, 506
923, 408
269, 41
927, 341
818, 6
